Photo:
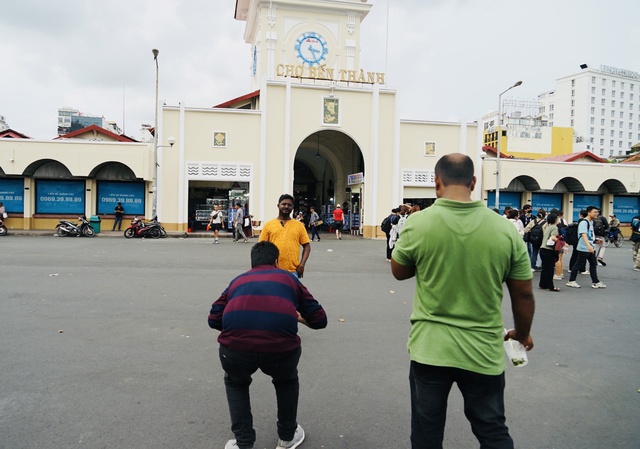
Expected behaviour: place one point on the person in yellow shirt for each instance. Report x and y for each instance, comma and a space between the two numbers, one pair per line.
288, 235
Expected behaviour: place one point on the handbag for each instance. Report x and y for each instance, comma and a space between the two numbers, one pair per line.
5, 215
318, 222
550, 242
559, 244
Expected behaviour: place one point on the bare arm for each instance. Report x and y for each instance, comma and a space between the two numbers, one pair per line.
402, 272
523, 307
306, 250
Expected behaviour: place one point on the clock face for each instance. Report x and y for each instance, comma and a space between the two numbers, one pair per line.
311, 48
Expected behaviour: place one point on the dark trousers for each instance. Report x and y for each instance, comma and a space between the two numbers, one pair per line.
483, 406
549, 258
389, 250
579, 266
314, 232
282, 368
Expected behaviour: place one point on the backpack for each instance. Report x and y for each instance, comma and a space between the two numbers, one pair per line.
598, 227
571, 233
562, 226
635, 229
386, 225
535, 233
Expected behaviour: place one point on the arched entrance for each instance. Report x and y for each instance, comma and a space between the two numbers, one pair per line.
323, 163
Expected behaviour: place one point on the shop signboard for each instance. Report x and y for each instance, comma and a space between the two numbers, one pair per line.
59, 197
356, 178
506, 199
546, 201
626, 207
130, 194
581, 202
12, 195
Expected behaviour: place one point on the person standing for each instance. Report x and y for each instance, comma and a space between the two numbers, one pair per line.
456, 324
535, 237
586, 251
215, 222
548, 254
238, 223
526, 218
635, 238
119, 211
338, 221
392, 220
288, 235
512, 216
313, 223
258, 316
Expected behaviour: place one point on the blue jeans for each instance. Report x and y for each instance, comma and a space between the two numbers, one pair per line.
282, 368
483, 406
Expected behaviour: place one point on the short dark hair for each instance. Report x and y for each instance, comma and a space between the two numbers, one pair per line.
583, 213
285, 196
527, 207
238, 204
264, 253
456, 169
512, 213
590, 208
552, 218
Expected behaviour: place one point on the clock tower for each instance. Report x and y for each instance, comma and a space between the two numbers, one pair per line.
296, 35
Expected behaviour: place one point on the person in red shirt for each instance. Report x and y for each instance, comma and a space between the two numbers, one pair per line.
338, 221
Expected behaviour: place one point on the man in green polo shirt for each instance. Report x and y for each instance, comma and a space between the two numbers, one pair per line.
461, 253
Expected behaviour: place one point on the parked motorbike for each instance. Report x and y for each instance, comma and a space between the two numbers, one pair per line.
3, 228
163, 233
139, 228
69, 229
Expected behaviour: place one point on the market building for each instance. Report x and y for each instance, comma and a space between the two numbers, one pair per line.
316, 124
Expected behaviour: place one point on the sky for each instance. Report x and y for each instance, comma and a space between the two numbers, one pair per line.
448, 59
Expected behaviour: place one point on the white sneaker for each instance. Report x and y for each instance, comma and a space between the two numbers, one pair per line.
298, 438
231, 444
557, 278
586, 272
636, 269
598, 285
573, 284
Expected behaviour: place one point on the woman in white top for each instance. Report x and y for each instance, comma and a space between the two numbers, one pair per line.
513, 218
215, 221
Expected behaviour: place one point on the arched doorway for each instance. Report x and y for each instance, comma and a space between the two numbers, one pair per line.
324, 160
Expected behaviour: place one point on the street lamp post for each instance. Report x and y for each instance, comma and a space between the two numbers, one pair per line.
498, 145
154, 204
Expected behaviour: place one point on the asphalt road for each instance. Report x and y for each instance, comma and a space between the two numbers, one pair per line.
104, 344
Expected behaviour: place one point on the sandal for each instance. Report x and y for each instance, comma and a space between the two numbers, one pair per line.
555, 289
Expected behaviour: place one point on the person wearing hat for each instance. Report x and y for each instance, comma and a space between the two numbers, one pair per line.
338, 221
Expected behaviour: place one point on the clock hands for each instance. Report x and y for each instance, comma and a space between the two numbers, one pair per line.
313, 51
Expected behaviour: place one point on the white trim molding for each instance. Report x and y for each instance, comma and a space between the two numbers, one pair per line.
418, 178
212, 171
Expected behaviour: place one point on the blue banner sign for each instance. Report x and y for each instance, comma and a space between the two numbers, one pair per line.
130, 194
583, 201
626, 207
12, 195
506, 199
546, 201
59, 197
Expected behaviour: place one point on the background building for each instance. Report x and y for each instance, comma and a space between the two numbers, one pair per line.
70, 119
601, 105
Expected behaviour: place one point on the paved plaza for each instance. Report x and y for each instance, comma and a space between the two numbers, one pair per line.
105, 344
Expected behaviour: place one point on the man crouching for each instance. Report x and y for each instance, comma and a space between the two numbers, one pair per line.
258, 314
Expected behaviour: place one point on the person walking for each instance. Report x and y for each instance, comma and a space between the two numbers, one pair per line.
533, 234
314, 218
288, 235
456, 324
548, 254
338, 221
635, 238
119, 211
215, 222
586, 251
258, 315
238, 223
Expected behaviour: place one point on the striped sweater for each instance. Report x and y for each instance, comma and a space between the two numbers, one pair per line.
257, 312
